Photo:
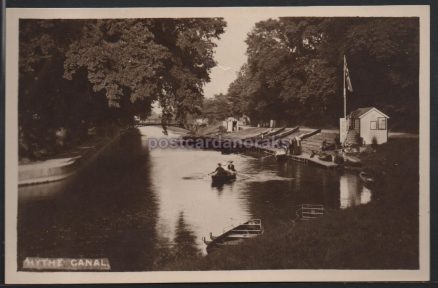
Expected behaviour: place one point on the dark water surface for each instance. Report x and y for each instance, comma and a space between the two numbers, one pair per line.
136, 206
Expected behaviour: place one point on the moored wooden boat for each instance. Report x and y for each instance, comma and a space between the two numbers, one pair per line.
236, 235
254, 137
275, 132
310, 134
325, 157
286, 133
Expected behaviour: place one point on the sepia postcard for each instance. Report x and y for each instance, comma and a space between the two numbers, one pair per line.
232, 144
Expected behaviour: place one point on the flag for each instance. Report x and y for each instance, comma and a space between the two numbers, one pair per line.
347, 76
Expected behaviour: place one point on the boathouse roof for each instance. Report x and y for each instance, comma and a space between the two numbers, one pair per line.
359, 112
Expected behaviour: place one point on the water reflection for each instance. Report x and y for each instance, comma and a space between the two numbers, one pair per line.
185, 239
206, 208
42, 191
219, 187
103, 211
140, 207
352, 191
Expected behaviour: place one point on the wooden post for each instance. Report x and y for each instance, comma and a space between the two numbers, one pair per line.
345, 92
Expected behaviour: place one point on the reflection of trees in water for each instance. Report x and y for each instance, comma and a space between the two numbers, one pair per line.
270, 200
108, 210
185, 239
183, 246
330, 189
313, 185
275, 201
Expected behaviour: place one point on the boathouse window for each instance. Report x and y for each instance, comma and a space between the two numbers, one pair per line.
382, 123
373, 125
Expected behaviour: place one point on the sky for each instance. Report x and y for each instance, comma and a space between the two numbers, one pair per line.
230, 53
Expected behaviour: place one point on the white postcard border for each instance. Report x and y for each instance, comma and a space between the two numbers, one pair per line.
11, 146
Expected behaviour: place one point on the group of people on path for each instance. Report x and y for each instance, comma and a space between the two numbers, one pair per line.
221, 171
292, 146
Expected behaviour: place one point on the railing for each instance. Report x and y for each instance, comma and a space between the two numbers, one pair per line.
310, 211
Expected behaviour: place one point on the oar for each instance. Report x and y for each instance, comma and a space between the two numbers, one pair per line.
245, 175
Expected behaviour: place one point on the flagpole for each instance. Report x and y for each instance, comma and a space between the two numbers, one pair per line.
345, 94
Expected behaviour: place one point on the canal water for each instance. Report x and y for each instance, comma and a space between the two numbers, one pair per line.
140, 207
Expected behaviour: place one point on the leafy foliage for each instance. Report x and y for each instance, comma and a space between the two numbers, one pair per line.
114, 68
294, 71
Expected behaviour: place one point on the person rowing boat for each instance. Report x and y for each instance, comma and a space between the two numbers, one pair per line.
220, 171
220, 175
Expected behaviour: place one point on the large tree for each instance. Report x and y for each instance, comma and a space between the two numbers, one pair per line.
111, 69
294, 71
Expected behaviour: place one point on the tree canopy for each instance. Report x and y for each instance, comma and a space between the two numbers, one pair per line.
294, 71
111, 69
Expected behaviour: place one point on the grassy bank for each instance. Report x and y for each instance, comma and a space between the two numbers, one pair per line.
380, 235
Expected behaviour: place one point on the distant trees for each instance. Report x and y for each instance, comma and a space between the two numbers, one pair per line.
77, 73
217, 108
294, 70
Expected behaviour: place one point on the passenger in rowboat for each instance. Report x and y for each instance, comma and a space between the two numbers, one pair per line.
230, 167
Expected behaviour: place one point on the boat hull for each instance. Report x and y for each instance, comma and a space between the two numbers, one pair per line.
325, 157
223, 178
235, 236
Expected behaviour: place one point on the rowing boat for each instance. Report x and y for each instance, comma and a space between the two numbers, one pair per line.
236, 235
223, 178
